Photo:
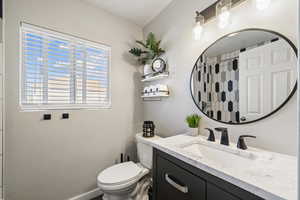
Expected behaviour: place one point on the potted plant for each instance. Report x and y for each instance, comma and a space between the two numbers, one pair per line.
193, 124
147, 51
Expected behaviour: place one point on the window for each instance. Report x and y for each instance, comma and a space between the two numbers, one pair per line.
59, 71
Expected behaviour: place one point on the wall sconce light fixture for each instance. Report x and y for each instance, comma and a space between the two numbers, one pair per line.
223, 13
262, 4
198, 28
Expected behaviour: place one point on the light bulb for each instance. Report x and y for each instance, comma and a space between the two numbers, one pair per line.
224, 17
198, 29
223, 13
262, 4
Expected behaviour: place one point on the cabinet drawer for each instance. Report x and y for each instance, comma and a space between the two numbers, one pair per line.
214, 193
173, 182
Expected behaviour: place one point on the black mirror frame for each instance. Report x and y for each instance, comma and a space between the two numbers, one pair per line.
271, 113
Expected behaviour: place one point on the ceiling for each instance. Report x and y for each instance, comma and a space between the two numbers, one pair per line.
141, 12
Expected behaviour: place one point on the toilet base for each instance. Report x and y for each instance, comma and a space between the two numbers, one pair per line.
138, 192
116, 197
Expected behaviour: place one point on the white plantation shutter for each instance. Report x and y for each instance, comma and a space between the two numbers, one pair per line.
59, 71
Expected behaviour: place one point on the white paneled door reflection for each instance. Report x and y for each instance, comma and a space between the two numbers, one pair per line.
267, 77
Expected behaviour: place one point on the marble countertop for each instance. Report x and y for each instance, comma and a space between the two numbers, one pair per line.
273, 176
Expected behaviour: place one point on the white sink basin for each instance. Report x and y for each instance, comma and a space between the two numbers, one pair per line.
224, 156
217, 156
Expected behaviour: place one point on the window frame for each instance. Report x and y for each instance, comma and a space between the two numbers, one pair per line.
69, 106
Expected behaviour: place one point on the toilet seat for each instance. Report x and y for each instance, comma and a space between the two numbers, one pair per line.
121, 176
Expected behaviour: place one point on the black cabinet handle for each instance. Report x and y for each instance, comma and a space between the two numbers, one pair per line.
172, 182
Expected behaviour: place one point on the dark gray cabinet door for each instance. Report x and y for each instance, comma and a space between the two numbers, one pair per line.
174, 179
215, 193
175, 183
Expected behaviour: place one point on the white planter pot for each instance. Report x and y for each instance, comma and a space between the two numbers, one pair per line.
193, 131
147, 69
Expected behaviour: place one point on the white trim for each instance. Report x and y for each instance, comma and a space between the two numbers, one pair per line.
63, 36
64, 107
88, 195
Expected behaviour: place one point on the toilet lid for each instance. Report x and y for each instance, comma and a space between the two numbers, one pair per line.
119, 173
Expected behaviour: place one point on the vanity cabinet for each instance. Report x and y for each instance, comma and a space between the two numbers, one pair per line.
174, 179
176, 183
215, 193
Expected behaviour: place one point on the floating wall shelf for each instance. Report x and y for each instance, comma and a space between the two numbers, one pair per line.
158, 95
154, 97
156, 77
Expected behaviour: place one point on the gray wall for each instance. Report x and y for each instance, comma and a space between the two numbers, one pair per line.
1, 30
174, 26
59, 159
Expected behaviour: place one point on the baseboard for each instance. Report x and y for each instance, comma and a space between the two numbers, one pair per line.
88, 195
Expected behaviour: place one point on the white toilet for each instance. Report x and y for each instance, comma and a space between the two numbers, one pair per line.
128, 180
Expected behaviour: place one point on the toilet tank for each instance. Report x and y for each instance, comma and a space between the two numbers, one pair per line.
144, 150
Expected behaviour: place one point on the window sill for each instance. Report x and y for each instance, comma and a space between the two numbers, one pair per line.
43, 109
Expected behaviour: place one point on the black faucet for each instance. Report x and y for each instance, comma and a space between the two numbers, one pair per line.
241, 142
224, 136
211, 136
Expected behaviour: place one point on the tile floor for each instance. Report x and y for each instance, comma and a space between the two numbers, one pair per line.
97, 198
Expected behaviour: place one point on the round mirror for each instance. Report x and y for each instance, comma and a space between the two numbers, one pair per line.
245, 76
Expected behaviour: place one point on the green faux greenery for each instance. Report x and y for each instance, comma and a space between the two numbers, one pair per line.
193, 120
148, 50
